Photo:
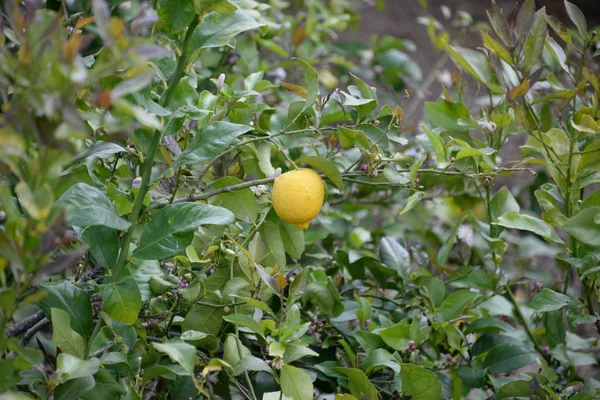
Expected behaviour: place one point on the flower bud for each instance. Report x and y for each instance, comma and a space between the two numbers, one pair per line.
364, 167
220, 82
137, 182
452, 159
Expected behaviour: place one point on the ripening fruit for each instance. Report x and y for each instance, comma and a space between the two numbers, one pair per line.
298, 196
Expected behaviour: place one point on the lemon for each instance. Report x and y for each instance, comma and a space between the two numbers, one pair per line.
298, 196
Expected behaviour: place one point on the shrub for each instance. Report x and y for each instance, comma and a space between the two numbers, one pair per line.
142, 258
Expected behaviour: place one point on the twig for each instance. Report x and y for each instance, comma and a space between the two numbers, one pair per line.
21, 327
33, 330
523, 321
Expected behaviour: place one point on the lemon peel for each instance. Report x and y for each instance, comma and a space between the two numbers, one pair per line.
298, 196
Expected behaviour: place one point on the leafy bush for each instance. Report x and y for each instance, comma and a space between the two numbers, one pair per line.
141, 256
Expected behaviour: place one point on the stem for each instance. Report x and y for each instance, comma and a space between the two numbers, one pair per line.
181, 64
523, 322
149, 160
231, 276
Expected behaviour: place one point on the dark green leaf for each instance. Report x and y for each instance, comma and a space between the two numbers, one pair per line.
454, 304
514, 220
88, 206
74, 389
218, 30
175, 15
360, 385
66, 296
241, 202
445, 115
508, 357
122, 300
182, 353
171, 230
549, 300
103, 244
420, 383
209, 142
394, 255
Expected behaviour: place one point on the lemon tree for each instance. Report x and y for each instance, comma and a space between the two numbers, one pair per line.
223, 199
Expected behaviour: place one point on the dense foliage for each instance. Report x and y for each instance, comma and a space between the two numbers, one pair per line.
141, 256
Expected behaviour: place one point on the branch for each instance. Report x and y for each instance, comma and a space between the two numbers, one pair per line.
21, 327
33, 330
156, 140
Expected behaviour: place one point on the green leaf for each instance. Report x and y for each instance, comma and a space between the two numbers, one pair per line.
182, 353
142, 272
67, 297
360, 386
420, 383
63, 336
325, 296
503, 202
577, 17
458, 54
245, 321
203, 319
549, 300
242, 203
439, 146
273, 243
444, 252
412, 201
445, 115
103, 244
296, 383
87, 206
291, 236
472, 377
514, 389
326, 167
496, 47
514, 220
220, 6
500, 24
584, 226
171, 230
106, 388
209, 142
507, 357
218, 30
73, 389
454, 304
312, 84
378, 359
122, 300
251, 363
350, 137
534, 44
396, 336
175, 15
394, 255
72, 367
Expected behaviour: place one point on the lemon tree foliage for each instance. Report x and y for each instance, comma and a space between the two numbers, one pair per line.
211, 199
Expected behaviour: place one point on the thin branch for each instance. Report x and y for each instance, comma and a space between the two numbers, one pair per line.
33, 330
22, 327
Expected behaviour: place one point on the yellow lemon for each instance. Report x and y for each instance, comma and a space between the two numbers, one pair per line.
298, 196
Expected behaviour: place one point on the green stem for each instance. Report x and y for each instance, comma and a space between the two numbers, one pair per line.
181, 63
523, 322
231, 276
149, 159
